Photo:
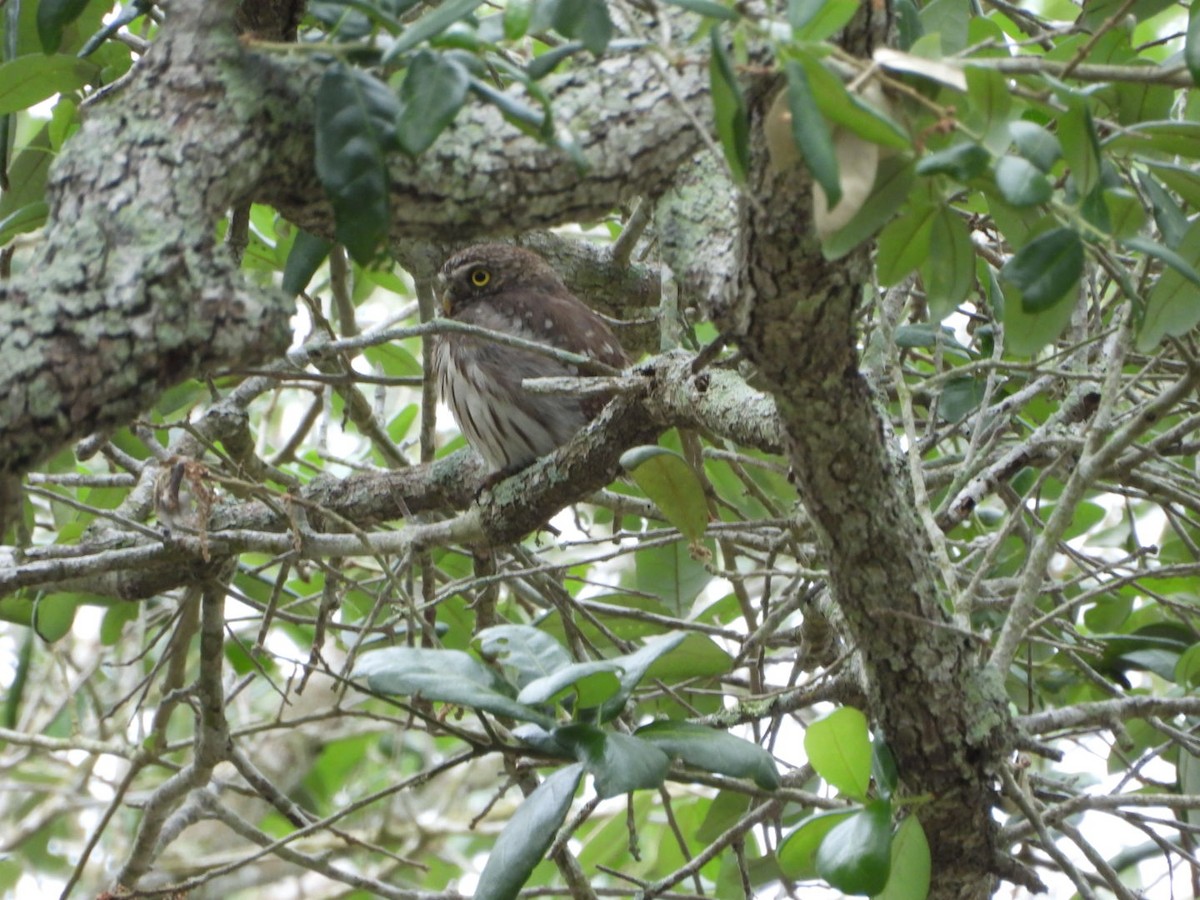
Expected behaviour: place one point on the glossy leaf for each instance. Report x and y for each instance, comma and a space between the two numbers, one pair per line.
816, 20
1171, 221
1046, 269
529, 651
591, 682
307, 253
1172, 307
729, 108
634, 666
856, 855
892, 184
959, 398
1165, 254
517, 16
54, 614
904, 244
355, 126
1077, 133
706, 8
618, 762
1025, 333
431, 95
671, 483
1191, 44
712, 750
839, 748
884, 769
447, 676
528, 835
28, 80
949, 269
1020, 182
587, 21
1035, 143
52, 17
811, 132
848, 109
527, 118
430, 25
962, 161
798, 852
912, 866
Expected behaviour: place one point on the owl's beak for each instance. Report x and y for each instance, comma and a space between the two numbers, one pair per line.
442, 290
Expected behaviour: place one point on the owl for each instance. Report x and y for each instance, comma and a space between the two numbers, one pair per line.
516, 292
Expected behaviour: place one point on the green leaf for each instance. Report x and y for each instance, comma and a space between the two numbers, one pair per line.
433, 91
1172, 307
892, 184
52, 17
113, 623
839, 748
948, 271
798, 853
528, 835
706, 8
618, 762
696, 656
592, 682
1187, 670
1165, 254
517, 15
25, 196
816, 20
1188, 772
959, 398
962, 161
847, 109
1020, 182
726, 809
1168, 139
430, 25
54, 614
729, 109
307, 253
355, 126
714, 751
1191, 44
528, 650
912, 865
883, 767
1168, 215
634, 666
445, 676
667, 479
904, 244
1035, 143
587, 21
28, 80
811, 133
928, 334
1025, 333
856, 856
531, 121
1077, 133
1046, 269
26, 218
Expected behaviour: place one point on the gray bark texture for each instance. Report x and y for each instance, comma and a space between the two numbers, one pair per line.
131, 293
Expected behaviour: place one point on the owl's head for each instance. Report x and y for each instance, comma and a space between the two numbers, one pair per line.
488, 270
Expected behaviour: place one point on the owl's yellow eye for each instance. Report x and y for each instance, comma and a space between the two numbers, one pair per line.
480, 277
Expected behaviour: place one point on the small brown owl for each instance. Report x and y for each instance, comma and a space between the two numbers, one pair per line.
517, 292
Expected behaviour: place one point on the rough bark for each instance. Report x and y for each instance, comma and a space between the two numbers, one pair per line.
943, 716
145, 298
